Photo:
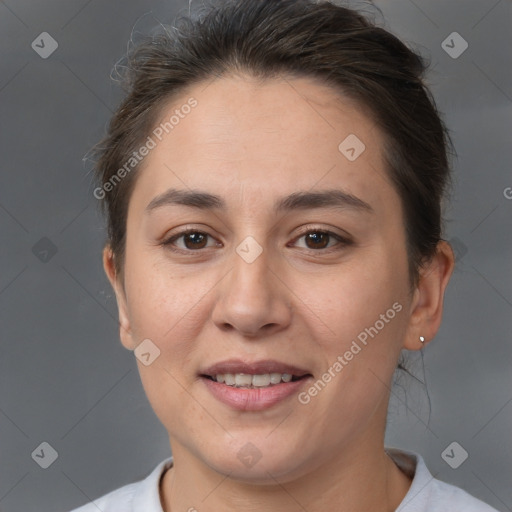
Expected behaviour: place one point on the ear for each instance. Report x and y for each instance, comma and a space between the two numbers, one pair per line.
125, 331
427, 304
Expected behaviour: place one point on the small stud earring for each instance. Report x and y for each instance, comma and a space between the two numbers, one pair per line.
422, 339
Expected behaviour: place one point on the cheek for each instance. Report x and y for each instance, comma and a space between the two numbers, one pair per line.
170, 311
164, 305
353, 296
359, 320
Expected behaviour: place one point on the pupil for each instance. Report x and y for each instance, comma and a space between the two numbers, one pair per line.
195, 239
318, 239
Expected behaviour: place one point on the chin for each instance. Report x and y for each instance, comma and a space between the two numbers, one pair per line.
262, 465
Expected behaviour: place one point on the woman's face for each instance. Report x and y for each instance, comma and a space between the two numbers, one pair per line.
296, 266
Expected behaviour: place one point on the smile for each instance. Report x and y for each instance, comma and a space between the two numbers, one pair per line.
253, 386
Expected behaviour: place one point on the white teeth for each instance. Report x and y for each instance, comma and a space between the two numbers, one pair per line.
229, 379
242, 379
261, 381
275, 378
245, 380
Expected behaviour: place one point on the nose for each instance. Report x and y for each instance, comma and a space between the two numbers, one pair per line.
252, 299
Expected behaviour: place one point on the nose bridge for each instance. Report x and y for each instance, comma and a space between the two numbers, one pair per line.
251, 269
251, 298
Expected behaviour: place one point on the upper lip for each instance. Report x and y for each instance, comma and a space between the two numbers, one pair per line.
261, 367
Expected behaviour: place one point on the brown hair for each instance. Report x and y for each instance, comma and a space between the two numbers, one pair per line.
272, 38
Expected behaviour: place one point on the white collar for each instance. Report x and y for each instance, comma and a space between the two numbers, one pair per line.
147, 494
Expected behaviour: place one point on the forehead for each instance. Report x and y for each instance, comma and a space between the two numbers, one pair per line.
268, 138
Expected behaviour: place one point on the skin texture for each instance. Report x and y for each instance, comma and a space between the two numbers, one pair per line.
252, 143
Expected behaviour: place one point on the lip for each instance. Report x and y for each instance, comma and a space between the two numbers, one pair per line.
253, 399
254, 368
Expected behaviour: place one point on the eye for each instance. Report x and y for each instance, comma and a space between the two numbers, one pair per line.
190, 240
314, 239
320, 239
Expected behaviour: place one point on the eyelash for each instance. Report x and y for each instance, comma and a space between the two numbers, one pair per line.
341, 241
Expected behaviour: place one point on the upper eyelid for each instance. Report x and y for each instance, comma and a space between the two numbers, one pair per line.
304, 228
308, 229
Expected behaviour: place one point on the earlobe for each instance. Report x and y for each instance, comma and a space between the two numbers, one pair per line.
125, 332
427, 304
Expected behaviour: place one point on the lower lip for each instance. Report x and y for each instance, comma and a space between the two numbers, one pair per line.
253, 399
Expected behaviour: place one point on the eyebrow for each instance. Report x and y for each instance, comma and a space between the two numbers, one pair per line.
332, 198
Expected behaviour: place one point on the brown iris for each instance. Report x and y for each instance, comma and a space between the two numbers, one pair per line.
195, 240
318, 240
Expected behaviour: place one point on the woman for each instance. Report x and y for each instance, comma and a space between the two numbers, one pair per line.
273, 185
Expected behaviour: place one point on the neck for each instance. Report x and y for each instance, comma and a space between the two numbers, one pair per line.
357, 481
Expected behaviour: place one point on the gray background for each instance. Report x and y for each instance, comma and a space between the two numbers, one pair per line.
64, 377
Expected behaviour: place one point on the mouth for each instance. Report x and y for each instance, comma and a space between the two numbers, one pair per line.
253, 386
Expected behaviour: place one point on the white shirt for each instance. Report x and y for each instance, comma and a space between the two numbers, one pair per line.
426, 494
